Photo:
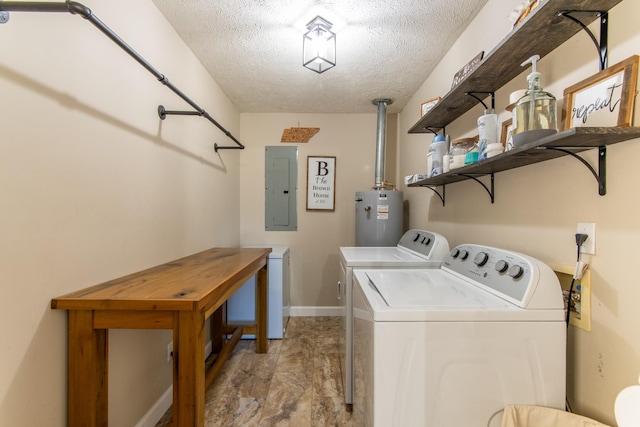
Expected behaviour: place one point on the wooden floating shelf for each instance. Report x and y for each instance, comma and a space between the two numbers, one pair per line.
540, 33
574, 140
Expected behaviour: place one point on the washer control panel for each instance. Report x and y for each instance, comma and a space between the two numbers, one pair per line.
510, 275
423, 242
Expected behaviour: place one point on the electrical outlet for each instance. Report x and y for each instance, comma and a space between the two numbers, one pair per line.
169, 351
588, 228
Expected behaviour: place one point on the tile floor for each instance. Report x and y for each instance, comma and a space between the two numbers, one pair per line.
297, 383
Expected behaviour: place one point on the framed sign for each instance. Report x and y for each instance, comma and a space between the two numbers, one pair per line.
604, 99
506, 135
426, 106
467, 69
321, 183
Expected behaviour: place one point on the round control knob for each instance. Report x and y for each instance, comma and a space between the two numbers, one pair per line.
426, 240
502, 266
417, 237
464, 254
515, 271
481, 259
455, 253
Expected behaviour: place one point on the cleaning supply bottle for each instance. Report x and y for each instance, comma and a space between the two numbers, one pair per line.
437, 150
536, 111
487, 131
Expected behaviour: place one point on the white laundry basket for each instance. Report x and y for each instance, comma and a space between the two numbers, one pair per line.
539, 416
627, 413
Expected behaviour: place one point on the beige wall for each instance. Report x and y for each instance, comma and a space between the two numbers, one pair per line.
537, 207
95, 186
314, 246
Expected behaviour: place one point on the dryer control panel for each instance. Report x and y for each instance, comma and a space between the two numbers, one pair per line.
426, 244
509, 275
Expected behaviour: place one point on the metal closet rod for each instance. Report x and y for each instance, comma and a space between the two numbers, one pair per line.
76, 8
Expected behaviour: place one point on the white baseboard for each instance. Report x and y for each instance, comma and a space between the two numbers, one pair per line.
315, 311
153, 415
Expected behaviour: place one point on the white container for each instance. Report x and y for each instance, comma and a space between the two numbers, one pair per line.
494, 150
457, 161
446, 163
437, 150
241, 305
488, 132
459, 150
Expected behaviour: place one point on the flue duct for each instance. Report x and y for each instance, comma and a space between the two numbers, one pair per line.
380, 140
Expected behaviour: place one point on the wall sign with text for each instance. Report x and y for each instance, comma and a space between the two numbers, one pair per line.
321, 183
604, 99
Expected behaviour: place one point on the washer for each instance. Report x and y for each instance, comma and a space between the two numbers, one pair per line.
416, 249
452, 346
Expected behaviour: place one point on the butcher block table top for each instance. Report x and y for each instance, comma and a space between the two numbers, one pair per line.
189, 283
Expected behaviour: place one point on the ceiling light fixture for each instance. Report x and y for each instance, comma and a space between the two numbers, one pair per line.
319, 46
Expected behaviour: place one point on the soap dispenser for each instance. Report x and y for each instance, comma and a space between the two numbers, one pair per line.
536, 111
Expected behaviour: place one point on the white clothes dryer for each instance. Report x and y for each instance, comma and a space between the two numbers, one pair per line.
416, 249
452, 346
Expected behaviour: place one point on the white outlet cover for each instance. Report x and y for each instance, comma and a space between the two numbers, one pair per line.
588, 228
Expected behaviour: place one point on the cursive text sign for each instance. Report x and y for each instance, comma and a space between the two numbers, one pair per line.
605, 99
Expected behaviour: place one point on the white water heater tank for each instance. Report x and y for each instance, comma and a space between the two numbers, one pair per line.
379, 217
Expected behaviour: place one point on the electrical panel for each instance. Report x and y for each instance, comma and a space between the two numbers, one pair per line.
281, 178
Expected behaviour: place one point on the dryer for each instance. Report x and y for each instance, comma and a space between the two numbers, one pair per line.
454, 345
416, 249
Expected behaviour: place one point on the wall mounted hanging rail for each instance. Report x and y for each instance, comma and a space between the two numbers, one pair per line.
76, 8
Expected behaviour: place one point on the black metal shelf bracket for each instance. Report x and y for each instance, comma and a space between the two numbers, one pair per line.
76, 8
436, 130
441, 195
493, 98
474, 177
600, 175
602, 44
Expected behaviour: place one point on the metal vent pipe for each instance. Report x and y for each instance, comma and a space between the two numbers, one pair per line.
380, 140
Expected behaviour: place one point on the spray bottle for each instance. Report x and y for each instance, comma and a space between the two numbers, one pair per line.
536, 111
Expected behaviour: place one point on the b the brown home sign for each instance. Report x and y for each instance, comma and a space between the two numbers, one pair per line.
321, 183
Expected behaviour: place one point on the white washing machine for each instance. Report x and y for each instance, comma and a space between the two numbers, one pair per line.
416, 249
452, 346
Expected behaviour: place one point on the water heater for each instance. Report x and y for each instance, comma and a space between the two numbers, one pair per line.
378, 217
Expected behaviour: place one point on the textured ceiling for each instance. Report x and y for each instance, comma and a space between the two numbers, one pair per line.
253, 49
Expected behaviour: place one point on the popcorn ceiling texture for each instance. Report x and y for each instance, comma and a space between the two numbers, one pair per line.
253, 49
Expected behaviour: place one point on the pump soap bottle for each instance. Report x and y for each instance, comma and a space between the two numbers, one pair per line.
535, 112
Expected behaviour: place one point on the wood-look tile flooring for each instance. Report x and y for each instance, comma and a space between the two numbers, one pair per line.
297, 383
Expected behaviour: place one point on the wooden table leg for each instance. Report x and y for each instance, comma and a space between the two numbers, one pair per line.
217, 330
188, 369
87, 376
262, 290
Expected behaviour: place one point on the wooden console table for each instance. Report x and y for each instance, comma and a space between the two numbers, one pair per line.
179, 295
